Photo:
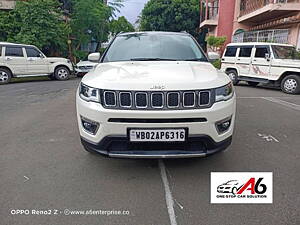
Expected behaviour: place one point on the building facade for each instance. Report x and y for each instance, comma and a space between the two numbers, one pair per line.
7, 4
217, 17
257, 20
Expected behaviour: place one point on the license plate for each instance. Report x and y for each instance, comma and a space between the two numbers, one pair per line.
157, 135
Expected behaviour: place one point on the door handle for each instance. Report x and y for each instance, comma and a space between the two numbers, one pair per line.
223, 59
238, 59
254, 60
8, 58
30, 59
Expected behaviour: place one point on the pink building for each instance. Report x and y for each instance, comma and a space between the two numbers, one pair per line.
253, 20
218, 16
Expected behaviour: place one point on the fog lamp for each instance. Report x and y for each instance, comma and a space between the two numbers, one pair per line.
89, 125
223, 125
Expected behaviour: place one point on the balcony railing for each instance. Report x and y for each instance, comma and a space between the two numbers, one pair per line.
212, 13
248, 6
277, 36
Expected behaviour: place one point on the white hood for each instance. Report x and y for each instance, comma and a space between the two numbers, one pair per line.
171, 75
86, 63
287, 63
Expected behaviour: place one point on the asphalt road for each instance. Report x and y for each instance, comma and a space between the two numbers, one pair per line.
44, 167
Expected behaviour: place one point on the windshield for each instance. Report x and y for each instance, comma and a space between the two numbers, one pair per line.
145, 46
285, 52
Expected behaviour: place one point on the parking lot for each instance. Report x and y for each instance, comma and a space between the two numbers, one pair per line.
44, 167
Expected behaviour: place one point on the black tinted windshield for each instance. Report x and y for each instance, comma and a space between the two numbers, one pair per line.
145, 46
285, 52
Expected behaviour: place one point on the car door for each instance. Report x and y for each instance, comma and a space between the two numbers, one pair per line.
37, 65
14, 58
261, 64
244, 60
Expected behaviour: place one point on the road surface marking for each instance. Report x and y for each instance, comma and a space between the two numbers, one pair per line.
26, 179
268, 138
168, 194
284, 103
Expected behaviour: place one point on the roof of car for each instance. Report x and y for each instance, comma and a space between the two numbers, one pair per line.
14, 44
155, 32
256, 43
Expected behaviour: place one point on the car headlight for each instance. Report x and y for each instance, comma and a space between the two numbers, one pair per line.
224, 93
88, 93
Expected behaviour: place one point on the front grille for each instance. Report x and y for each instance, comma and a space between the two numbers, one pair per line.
85, 67
157, 100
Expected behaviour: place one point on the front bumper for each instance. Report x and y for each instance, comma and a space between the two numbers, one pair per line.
111, 138
119, 147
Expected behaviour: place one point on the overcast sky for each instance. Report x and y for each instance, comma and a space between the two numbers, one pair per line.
131, 9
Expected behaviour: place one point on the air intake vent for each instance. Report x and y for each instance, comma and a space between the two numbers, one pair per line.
173, 99
141, 100
110, 98
125, 99
189, 99
157, 100
204, 97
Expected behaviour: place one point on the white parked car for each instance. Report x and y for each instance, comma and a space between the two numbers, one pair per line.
84, 66
266, 63
18, 60
155, 94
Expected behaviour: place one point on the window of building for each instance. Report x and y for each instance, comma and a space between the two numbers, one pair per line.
32, 52
261, 52
14, 51
230, 52
245, 51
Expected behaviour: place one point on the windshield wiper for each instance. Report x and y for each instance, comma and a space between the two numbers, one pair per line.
151, 59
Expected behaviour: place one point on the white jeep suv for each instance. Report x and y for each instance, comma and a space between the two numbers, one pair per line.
155, 94
18, 60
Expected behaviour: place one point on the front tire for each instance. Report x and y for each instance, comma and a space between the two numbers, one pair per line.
62, 73
233, 76
252, 83
5, 76
291, 84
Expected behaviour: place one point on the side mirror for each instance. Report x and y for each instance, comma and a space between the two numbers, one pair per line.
41, 56
94, 57
213, 56
267, 56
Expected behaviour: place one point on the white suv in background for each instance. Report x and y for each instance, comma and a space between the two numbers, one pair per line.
155, 94
267, 63
18, 60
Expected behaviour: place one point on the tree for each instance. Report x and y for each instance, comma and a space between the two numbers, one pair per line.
120, 25
90, 21
216, 43
171, 15
37, 22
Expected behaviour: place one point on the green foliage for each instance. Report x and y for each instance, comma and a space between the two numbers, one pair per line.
217, 63
216, 42
90, 20
37, 22
171, 15
120, 25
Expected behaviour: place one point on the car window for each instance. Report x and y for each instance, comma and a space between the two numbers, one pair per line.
32, 52
261, 52
230, 51
245, 51
149, 46
14, 51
